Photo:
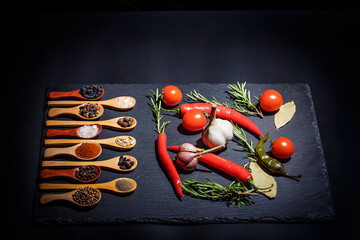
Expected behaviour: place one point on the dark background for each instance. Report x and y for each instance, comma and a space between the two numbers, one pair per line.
174, 42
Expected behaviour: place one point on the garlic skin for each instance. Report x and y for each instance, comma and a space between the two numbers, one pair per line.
187, 160
189, 155
188, 147
217, 131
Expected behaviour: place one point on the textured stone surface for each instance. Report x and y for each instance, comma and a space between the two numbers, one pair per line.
155, 201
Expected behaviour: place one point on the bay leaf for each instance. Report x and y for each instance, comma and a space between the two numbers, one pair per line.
285, 114
264, 181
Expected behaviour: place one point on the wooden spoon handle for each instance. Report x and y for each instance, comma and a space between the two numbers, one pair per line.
49, 197
56, 186
68, 163
61, 123
66, 103
54, 112
67, 142
53, 152
49, 173
53, 133
61, 95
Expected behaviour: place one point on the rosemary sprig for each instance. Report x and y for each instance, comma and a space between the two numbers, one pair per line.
156, 98
236, 193
242, 99
245, 146
197, 97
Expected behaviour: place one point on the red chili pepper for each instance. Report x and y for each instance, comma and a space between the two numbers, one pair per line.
168, 164
224, 113
224, 165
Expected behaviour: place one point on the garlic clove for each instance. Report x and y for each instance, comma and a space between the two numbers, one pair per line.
187, 147
217, 131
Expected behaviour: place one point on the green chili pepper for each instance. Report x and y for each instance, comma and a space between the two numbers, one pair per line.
270, 163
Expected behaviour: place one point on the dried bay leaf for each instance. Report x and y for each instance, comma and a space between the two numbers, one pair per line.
285, 114
264, 181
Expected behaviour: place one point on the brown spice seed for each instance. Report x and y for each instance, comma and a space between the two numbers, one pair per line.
124, 185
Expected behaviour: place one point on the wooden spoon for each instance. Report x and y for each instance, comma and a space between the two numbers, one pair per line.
110, 123
110, 103
70, 173
109, 186
111, 164
49, 197
54, 133
72, 94
70, 151
107, 142
74, 111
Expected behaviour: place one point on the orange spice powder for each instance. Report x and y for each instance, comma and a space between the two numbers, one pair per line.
87, 150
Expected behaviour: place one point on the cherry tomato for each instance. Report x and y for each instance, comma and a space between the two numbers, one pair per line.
194, 120
282, 148
271, 100
172, 95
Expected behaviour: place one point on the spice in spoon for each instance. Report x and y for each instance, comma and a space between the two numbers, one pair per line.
89, 110
125, 141
88, 131
87, 150
124, 185
125, 121
91, 91
86, 196
125, 163
86, 173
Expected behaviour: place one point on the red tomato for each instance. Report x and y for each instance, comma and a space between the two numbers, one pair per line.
282, 148
271, 100
172, 95
194, 120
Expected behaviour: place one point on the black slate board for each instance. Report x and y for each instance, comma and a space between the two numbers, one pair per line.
155, 201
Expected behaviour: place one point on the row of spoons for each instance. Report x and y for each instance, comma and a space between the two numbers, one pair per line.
112, 164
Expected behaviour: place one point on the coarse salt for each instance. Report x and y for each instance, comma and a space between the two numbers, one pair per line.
124, 102
88, 131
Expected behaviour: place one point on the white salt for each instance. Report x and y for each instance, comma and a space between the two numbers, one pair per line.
88, 131
124, 102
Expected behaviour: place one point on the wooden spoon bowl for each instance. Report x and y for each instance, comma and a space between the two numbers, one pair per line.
110, 123
75, 94
71, 151
69, 173
107, 186
74, 111
54, 133
68, 196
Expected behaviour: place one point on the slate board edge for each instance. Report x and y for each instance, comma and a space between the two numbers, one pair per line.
322, 159
181, 221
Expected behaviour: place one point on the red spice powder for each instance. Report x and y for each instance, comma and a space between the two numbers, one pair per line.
87, 150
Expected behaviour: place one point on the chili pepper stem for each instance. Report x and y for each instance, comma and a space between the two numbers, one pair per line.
209, 150
292, 176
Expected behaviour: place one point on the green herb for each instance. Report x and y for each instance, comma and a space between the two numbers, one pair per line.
245, 146
156, 98
236, 193
237, 93
197, 97
242, 99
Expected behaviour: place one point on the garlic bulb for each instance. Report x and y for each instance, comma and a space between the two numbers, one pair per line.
188, 155
217, 131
